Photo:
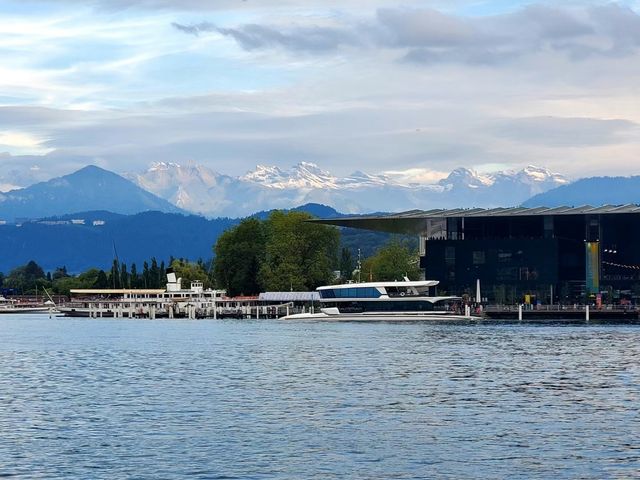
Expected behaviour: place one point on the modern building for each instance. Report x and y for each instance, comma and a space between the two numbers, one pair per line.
539, 255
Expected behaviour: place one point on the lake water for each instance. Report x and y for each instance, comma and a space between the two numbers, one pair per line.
240, 399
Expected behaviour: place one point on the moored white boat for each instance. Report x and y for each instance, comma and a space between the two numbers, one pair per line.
12, 307
384, 301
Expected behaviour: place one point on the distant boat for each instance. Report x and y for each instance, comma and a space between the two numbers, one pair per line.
13, 306
388, 301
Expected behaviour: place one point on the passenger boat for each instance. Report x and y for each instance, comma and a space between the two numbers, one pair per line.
389, 301
12, 306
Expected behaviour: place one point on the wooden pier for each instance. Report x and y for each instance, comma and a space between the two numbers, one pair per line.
223, 308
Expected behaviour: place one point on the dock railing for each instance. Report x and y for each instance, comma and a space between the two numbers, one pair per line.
559, 308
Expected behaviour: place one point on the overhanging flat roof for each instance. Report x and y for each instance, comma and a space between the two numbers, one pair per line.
416, 221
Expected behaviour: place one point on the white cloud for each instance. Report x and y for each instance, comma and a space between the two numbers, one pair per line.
416, 175
22, 143
414, 90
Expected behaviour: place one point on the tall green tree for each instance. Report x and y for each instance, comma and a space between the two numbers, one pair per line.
239, 253
154, 274
299, 255
25, 278
162, 275
114, 276
146, 275
346, 264
190, 272
124, 276
285, 252
59, 272
392, 262
101, 280
134, 279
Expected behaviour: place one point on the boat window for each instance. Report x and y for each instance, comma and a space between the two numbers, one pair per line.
358, 292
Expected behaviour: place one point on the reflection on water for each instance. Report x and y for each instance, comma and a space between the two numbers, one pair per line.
84, 398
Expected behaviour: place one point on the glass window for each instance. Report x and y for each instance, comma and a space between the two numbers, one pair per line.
504, 256
450, 255
478, 257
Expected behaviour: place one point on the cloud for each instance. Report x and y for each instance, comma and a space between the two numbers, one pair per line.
426, 35
22, 143
299, 39
196, 28
423, 176
225, 5
402, 27
407, 89
620, 24
567, 132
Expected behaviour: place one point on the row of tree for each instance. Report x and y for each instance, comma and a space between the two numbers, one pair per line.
31, 278
282, 253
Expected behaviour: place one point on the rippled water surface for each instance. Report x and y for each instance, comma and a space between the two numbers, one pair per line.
265, 399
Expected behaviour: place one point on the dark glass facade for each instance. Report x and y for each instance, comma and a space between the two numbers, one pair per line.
538, 257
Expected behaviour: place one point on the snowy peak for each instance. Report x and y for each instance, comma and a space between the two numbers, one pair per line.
264, 175
361, 179
186, 186
532, 176
162, 166
198, 189
464, 177
302, 175
540, 174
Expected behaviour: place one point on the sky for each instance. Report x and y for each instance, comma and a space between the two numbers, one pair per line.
416, 86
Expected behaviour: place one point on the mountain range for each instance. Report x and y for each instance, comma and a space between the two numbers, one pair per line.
195, 189
43, 222
198, 189
93, 239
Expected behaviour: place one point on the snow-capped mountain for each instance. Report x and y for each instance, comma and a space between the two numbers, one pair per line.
198, 189
303, 175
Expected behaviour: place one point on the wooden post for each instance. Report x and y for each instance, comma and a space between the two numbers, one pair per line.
586, 312
520, 311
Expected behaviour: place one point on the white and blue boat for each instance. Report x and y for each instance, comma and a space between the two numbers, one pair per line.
399, 300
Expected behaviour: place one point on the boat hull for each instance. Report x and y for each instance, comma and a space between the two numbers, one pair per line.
380, 317
24, 310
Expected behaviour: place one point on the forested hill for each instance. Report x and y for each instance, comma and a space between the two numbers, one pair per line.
56, 241
316, 209
134, 238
